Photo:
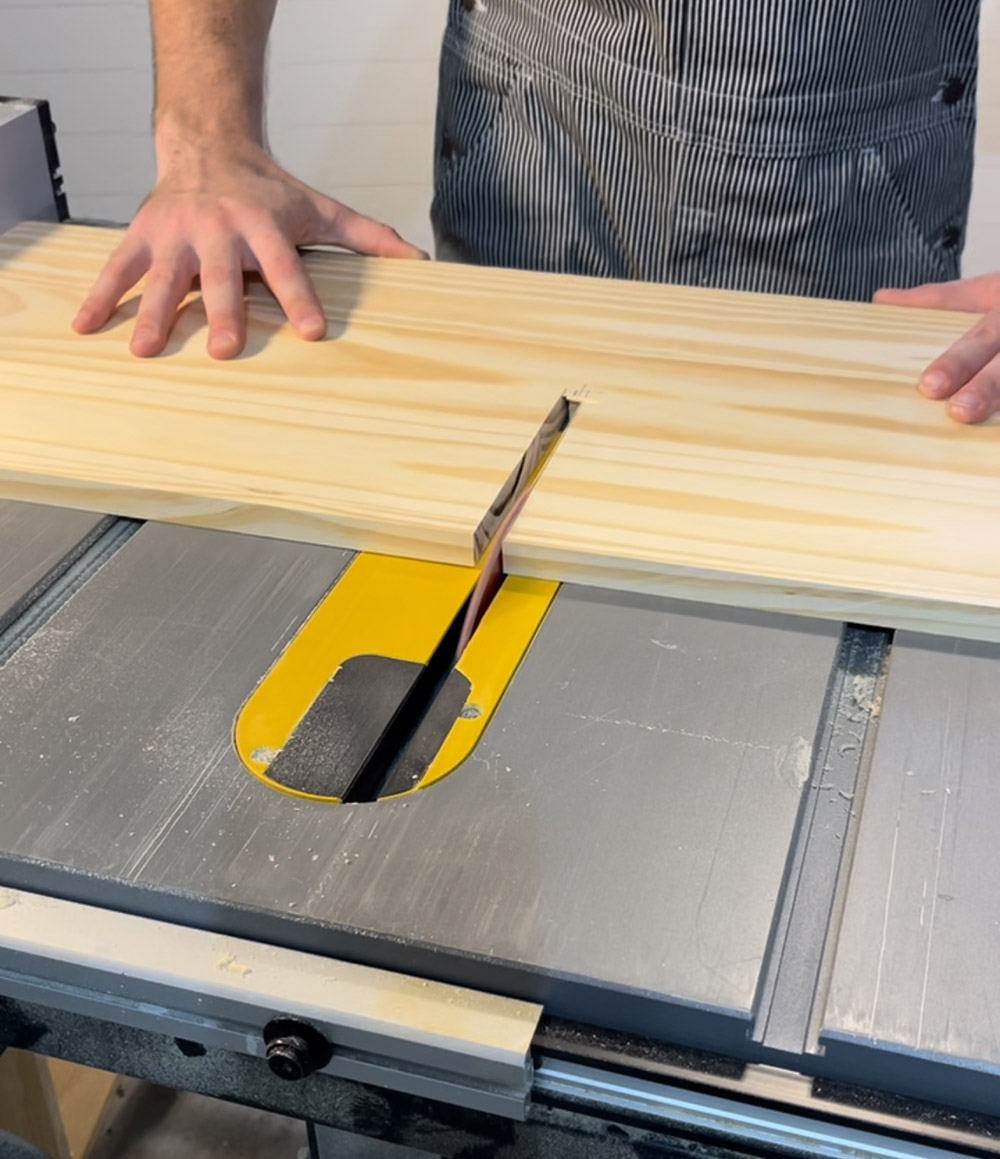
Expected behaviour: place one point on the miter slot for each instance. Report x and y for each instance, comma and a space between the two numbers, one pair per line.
796, 975
39, 545
61, 582
525, 473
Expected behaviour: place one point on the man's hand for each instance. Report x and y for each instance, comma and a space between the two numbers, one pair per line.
218, 219
969, 373
221, 206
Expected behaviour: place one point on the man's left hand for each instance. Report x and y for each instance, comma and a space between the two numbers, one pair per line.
968, 374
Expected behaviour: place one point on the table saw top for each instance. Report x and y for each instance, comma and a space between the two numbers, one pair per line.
653, 834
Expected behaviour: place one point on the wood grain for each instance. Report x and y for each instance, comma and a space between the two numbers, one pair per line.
390, 435
87, 1101
792, 467
29, 1108
742, 449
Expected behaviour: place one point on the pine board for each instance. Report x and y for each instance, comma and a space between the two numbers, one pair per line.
29, 1107
389, 436
779, 458
87, 1100
740, 449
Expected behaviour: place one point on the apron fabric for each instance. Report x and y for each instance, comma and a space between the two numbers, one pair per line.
821, 148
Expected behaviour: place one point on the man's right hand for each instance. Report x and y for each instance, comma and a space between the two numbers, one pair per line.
217, 217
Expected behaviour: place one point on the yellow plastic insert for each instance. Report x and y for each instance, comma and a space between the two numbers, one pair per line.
381, 606
489, 663
401, 609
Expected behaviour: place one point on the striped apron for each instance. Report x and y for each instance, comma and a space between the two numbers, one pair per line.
812, 147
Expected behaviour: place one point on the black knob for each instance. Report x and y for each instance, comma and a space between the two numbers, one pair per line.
295, 1049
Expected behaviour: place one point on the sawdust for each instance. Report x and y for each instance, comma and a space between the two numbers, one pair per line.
230, 965
863, 694
793, 763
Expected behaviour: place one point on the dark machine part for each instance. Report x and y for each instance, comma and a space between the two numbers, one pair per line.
295, 1049
563, 1120
31, 182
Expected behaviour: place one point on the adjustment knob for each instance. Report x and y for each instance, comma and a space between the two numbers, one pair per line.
295, 1049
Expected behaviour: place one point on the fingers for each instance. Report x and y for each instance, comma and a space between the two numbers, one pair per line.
241, 216
123, 269
286, 276
979, 399
973, 295
222, 292
362, 234
167, 285
967, 373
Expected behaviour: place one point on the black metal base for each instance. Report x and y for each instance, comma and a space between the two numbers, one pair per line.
557, 1125
434, 1128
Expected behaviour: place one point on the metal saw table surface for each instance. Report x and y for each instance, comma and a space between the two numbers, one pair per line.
626, 756
919, 957
626, 844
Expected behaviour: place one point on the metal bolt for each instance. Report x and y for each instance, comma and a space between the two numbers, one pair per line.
288, 1058
294, 1048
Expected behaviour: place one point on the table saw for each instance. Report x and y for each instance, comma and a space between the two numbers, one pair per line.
624, 876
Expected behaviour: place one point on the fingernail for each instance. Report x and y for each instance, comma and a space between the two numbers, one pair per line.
143, 342
964, 407
934, 382
222, 345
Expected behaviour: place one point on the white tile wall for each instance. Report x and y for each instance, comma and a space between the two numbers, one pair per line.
352, 91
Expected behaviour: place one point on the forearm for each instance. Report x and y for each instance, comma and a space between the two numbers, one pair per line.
209, 58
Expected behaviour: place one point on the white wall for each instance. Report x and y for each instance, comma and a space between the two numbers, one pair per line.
351, 103
982, 253
351, 97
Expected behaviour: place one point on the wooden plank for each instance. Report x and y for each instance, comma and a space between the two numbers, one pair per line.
744, 449
28, 1105
87, 1099
782, 460
388, 436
